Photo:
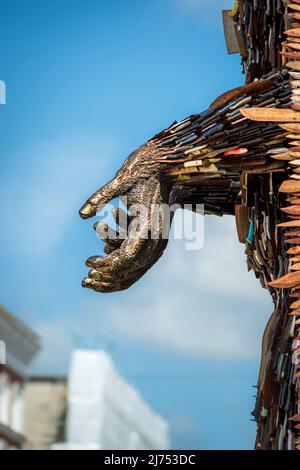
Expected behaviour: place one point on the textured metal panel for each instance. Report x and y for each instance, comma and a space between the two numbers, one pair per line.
229, 32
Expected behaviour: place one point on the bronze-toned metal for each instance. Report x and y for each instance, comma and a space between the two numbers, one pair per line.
271, 115
199, 161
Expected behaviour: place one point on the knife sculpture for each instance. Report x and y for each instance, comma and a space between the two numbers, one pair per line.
239, 157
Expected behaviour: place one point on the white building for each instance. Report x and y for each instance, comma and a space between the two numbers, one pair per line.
105, 412
19, 345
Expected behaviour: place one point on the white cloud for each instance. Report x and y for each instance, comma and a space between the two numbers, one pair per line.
203, 304
57, 343
199, 304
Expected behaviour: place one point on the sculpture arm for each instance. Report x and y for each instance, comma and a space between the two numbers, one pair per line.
198, 160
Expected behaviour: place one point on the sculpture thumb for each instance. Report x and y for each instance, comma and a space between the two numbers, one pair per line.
101, 197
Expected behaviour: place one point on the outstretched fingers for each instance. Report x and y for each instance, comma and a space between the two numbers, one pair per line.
105, 283
122, 270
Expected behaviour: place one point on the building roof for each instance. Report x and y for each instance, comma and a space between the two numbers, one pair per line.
21, 343
19, 325
48, 378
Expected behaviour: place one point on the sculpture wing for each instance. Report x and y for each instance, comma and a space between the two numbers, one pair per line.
256, 30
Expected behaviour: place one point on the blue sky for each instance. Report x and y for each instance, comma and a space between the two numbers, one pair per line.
87, 82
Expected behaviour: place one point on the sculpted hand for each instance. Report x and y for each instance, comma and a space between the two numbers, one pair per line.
132, 250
